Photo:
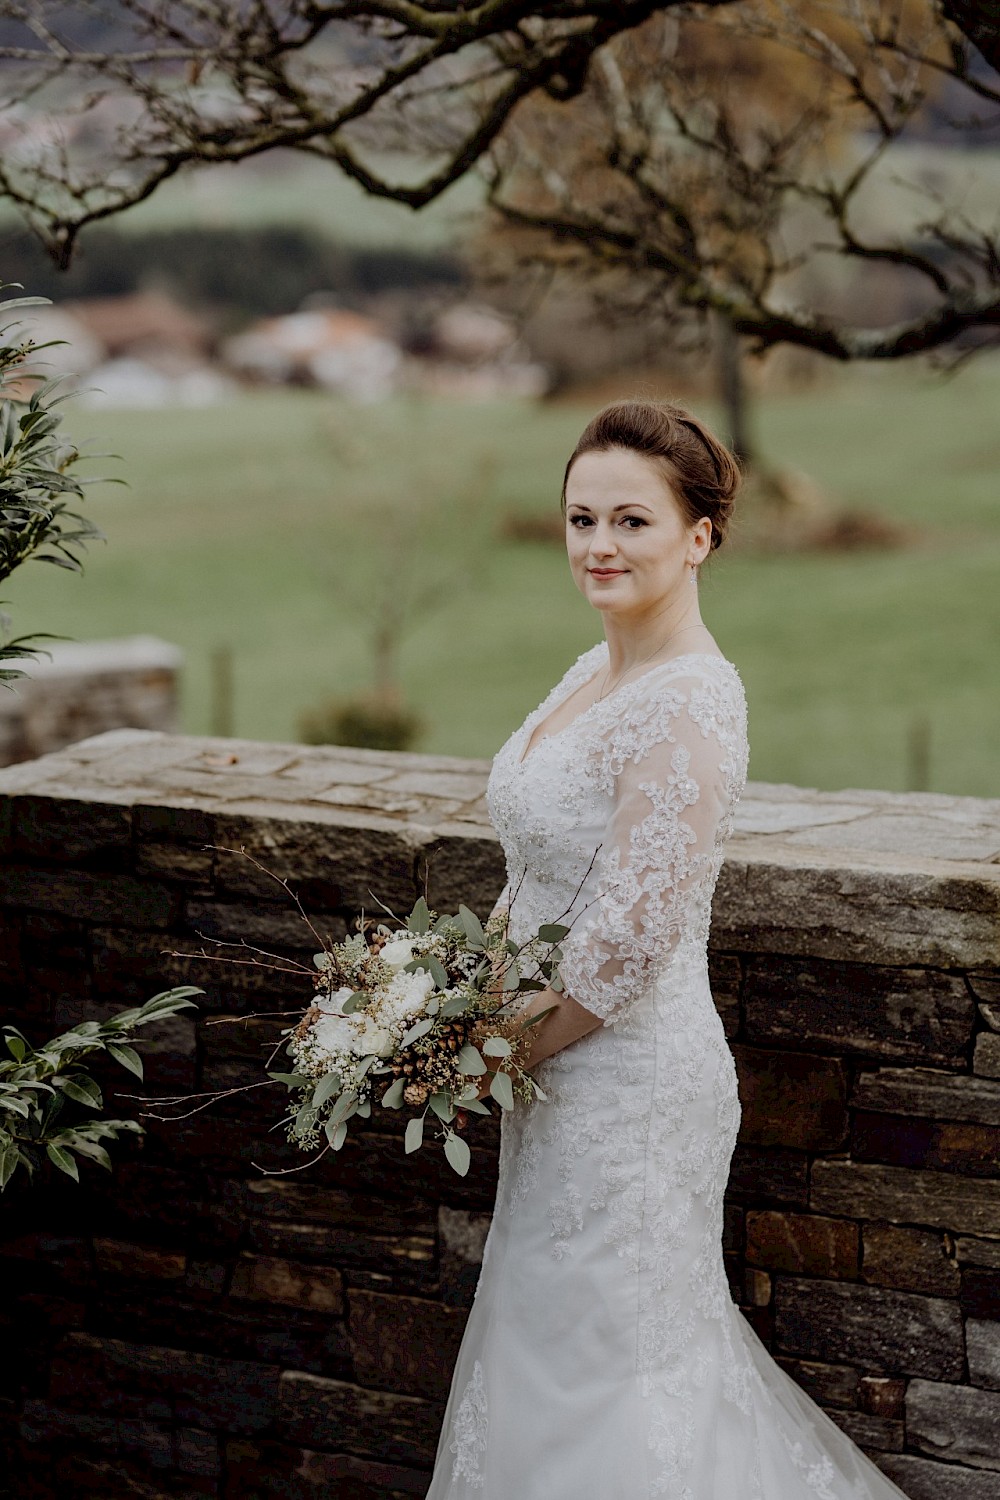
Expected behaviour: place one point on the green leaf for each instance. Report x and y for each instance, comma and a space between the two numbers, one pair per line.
475, 1106
355, 1001
470, 1061
442, 1106
345, 1107
497, 1046
328, 1085
419, 1029
414, 1134
438, 972
539, 1092
458, 1153
62, 1160
91, 1149
553, 932
293, 1080
419, 919
9, 1158
127, 1056
393, 1096
83, 1089
15, 1105
336, 1134
473, 927
502, 1090
456, 1006
16, 1048
511, 979
534, 1020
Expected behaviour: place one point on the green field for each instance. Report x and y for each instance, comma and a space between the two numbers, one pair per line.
244, 526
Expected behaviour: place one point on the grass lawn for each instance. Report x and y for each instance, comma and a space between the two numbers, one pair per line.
257, 525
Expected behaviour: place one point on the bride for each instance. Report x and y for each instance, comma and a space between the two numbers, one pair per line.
604, 1358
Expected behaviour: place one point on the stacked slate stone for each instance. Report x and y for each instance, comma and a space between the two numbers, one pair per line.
192, 1326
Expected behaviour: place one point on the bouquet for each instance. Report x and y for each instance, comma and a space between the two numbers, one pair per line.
417, 1018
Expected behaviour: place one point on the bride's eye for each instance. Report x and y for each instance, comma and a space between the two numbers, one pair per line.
634, 522
574, 519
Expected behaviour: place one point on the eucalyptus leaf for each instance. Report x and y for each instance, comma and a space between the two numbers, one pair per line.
442, 1106
475, 1106
496, 1046
553, 932
325, 1089
470, 1061
419, 920
458, 1153
393, 1096
292, 1080
419, 1029
473, 927
511, 979
355, 1001
337, 1135
414, 1134
456, 1006
502, 1090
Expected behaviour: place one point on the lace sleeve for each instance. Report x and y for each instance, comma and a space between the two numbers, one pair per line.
674, 782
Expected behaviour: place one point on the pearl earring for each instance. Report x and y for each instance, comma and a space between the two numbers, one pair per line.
694, 574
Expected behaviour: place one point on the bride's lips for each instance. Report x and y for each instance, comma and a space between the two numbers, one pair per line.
606, 572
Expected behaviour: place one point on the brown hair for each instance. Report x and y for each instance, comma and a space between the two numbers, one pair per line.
703, 474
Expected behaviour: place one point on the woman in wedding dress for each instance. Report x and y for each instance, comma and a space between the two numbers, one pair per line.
604, 1358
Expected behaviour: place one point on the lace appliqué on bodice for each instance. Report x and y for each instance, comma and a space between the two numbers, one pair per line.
624, 814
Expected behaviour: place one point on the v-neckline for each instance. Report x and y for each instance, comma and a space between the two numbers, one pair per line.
527, 752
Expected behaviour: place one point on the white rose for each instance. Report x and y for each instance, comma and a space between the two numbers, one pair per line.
333, 1033
397, 952
333, 1004
375, 1038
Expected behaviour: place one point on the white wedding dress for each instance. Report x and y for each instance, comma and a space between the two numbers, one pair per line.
604, 1358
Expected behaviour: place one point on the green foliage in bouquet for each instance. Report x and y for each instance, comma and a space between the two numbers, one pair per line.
39, 480
36, 1083
417, 1018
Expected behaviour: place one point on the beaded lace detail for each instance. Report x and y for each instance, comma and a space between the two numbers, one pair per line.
471, 1427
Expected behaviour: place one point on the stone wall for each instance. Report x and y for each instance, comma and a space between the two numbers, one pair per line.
191, 1326
85, 688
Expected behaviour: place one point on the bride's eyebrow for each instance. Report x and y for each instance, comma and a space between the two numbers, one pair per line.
629, 505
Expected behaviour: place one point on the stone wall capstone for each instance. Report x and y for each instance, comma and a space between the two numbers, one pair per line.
199, 1323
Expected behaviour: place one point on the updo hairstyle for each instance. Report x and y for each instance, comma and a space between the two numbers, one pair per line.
702, 473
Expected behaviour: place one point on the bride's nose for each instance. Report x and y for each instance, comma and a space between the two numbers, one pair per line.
602, 541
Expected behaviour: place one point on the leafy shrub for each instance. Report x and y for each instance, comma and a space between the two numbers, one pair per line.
365, 722
35, 1084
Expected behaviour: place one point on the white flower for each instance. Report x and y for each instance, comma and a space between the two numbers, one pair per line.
376, 1038
406, 995
334, 1034
334, 1003
398, 952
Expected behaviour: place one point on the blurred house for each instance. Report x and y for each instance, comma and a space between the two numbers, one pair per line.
327, 347
475, 352
144, 350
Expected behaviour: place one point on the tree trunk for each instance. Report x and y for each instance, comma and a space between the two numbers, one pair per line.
733, 390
